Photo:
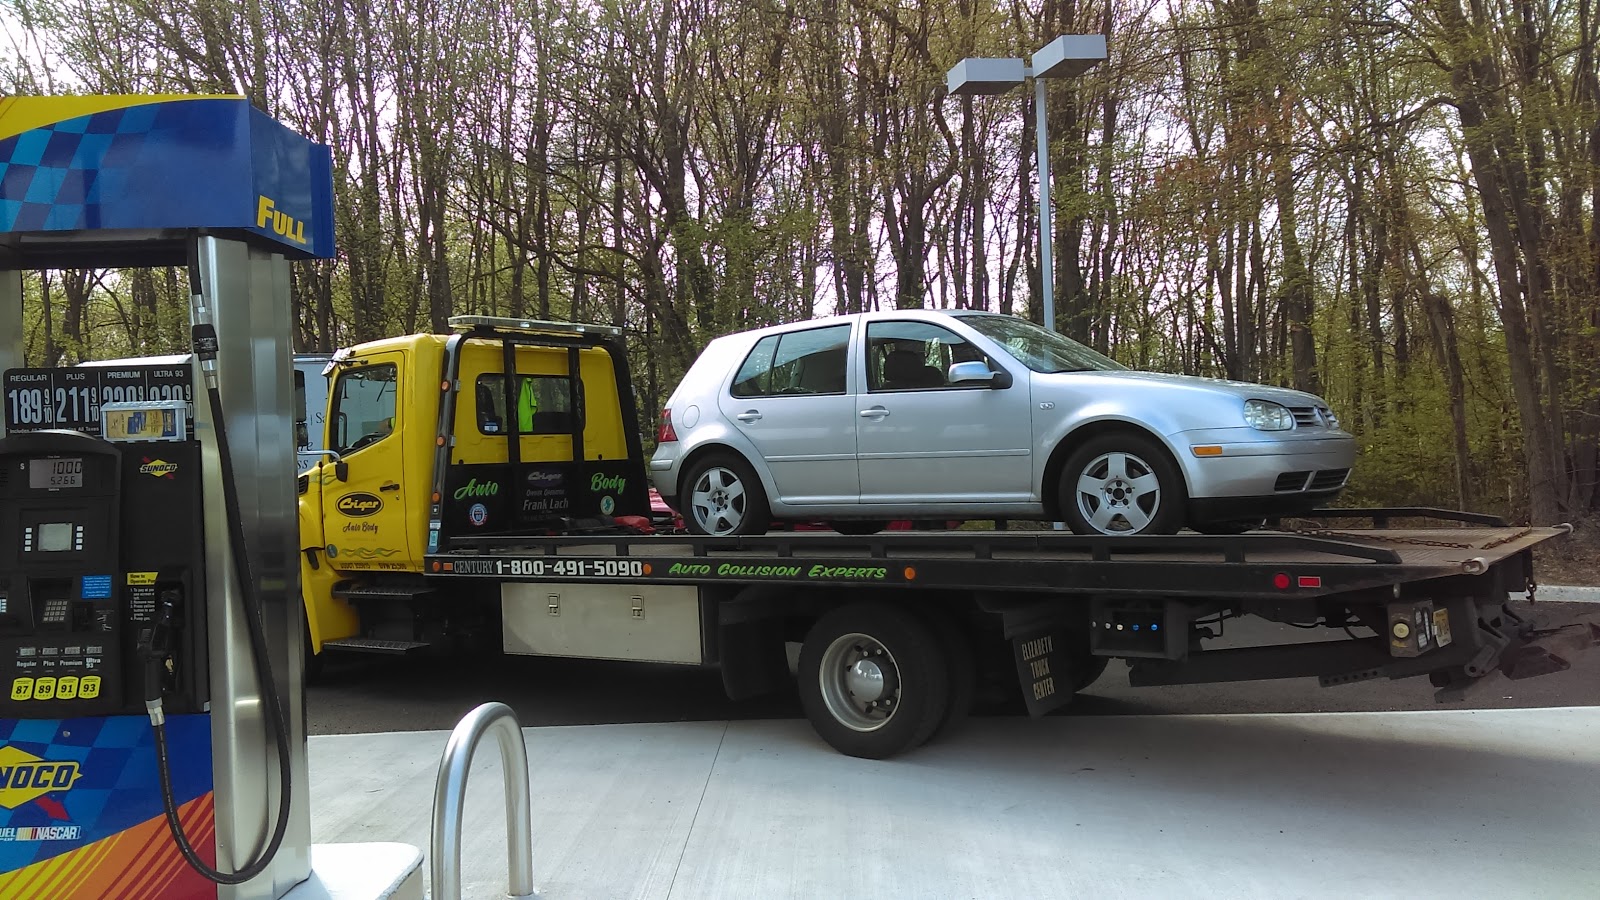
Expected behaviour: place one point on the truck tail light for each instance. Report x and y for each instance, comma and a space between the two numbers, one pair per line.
664, 433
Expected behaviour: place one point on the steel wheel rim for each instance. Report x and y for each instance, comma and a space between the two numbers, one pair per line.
860, 682
1118, 488
718, 500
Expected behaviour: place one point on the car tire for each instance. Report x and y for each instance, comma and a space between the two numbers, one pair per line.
727, 513
1104, 482
908, 656
858, 528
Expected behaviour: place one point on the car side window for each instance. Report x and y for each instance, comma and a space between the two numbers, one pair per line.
912, 356
795, 362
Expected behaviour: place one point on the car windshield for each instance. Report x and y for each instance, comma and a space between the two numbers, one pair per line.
1038, 349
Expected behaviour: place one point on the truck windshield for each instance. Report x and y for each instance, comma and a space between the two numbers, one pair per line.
1038, 349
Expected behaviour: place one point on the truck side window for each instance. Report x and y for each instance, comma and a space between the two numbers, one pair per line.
542, 404
796, 362
364, 406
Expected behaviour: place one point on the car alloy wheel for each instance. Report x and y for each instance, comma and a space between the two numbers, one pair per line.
1118, 493
719, 501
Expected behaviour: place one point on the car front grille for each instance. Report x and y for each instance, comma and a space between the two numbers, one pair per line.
1306, 417
1291, 481
1328, 479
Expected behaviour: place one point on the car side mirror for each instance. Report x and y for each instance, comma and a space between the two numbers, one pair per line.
978, 373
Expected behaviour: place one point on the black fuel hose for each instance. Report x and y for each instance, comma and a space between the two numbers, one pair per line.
205, 348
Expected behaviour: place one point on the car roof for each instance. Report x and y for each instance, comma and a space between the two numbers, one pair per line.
927, 315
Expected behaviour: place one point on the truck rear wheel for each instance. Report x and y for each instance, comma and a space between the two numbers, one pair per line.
874, 680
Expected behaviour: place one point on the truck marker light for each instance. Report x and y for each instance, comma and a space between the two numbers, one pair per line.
911, 574
647, 568
444, 385
1155, 627
439, 441
1310, 581
436, 565
436, 497
1280, 581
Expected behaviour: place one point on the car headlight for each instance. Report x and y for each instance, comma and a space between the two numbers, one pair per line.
1264, 415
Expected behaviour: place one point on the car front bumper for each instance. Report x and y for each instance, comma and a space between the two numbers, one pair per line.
1245, 463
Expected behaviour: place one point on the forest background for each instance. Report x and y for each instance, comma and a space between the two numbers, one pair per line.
1391, 202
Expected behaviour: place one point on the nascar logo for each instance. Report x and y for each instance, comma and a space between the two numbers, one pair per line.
25, 777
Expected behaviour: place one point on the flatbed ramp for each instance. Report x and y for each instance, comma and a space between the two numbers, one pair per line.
1468, 803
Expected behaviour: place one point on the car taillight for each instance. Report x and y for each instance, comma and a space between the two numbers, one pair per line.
665, 434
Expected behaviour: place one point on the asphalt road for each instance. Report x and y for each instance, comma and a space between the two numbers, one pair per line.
368, 694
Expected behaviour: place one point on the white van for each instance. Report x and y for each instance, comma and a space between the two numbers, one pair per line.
310, 397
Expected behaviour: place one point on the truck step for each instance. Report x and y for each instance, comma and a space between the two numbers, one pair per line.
372, 645
382, 592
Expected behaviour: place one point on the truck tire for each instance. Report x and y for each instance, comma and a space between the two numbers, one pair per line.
730, 500
962, 665
874, 680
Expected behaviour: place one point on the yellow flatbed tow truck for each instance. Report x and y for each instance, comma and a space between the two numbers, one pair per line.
486, 491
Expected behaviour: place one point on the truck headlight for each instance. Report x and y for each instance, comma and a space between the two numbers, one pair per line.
1264, 415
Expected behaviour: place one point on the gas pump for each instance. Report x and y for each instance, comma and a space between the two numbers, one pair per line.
151, 707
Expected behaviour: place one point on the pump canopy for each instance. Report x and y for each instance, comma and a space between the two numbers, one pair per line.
123, 180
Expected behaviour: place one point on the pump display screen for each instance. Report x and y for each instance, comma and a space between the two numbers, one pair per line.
55, 537
51, 474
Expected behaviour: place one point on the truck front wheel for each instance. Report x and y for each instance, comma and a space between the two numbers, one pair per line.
873, 680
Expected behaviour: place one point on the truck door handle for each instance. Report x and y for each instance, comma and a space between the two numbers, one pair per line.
876, 412
748, 415
391, 486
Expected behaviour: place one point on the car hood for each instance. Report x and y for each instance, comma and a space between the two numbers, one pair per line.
1244, 390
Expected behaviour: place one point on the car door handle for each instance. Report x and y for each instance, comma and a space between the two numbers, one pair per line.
748, 416
391, 486
877, 412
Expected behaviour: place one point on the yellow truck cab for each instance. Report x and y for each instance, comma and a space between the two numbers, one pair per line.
504, 427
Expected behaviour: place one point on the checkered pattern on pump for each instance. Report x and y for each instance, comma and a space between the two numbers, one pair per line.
53, 177
117, 786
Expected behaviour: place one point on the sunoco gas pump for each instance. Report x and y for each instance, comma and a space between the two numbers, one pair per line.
151, 709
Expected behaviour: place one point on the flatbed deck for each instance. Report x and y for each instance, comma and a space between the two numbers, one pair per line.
1259, 564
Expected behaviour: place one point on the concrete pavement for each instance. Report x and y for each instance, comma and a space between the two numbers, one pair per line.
1461, 803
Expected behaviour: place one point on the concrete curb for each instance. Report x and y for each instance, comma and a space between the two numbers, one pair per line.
1557, 593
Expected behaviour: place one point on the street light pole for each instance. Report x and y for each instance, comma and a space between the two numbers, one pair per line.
1068, 55
1047, 272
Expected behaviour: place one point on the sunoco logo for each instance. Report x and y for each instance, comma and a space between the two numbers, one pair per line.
359, 505
25, 777
158, 468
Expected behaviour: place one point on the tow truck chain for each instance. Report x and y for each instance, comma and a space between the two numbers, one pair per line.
1422, 542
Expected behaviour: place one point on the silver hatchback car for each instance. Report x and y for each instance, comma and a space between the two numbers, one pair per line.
858, 420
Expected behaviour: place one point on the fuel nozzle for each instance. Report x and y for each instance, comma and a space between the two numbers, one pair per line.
155, 646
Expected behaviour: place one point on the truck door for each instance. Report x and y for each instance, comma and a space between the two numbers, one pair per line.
364, 515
